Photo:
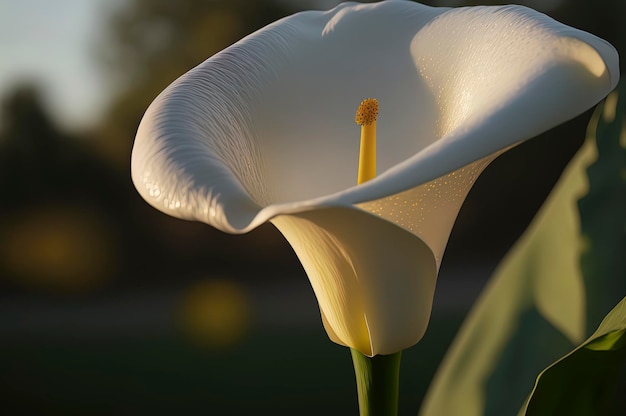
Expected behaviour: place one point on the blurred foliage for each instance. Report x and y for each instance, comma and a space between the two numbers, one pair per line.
60, 201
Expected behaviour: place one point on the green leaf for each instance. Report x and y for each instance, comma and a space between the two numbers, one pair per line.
539, 304
603, 211
515, 330
584, 382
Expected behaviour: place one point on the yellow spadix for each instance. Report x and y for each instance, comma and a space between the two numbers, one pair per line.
366, 117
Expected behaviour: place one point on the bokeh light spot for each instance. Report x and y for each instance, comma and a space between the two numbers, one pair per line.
58, 248
215, 313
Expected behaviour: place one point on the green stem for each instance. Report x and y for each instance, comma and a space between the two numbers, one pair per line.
378, 382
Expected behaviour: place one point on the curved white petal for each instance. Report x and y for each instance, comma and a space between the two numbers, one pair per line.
374, 281
266, 126
264, 130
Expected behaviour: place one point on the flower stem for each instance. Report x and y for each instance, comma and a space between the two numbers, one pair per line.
378, 382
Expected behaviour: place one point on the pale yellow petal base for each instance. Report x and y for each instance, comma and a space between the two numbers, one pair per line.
374, 281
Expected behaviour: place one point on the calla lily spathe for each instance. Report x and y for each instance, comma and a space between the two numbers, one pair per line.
264, 131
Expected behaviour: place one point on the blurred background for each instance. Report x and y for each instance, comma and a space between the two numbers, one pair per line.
109, 307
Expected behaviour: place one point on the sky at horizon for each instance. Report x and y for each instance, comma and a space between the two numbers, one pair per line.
53, 44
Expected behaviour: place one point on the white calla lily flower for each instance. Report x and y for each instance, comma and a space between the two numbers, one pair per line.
264, 131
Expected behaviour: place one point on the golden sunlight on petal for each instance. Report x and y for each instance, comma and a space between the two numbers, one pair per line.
584, 54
